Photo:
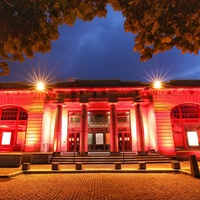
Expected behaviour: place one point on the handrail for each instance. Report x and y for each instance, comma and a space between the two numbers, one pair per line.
122, 152
74, 153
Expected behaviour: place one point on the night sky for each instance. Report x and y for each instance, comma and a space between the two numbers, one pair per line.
101, 49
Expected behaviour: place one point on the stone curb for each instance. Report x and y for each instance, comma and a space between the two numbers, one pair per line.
11, 175
88, 171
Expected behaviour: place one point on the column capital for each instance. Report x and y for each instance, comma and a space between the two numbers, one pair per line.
112, 103
135, 103
58, 103
84, 103
112, 100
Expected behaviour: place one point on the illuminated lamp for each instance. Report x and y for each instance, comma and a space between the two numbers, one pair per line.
40, 86
157, 84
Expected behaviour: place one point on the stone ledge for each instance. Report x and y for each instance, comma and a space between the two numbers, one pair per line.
10, 159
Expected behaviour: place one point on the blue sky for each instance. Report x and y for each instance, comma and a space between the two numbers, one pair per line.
101, 49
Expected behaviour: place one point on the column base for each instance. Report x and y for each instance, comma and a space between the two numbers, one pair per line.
114, 153
83, 153
142, 153
56, 154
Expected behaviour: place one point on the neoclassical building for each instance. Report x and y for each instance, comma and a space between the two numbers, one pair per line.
101, 116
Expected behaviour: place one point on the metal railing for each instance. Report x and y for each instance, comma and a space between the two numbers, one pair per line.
122, 152
74, 154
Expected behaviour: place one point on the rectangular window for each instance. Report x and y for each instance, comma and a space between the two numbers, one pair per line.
99, 138
75, 119
99, 118
20, 137
90, 138
123, 117
6, 137
192, 138
107, 138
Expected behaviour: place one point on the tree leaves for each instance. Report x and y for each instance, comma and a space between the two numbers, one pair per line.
161, 25
5, 69
30, 26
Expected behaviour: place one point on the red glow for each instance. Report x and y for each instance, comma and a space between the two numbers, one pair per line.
160, 130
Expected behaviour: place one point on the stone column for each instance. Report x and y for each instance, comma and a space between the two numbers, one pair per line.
84, 130
139, 129
113, 129
58, 129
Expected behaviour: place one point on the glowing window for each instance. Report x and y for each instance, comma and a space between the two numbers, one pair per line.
107, 138
20, 137
192, 138
6, 138
123, 117
74, 117
99, 138
90, 138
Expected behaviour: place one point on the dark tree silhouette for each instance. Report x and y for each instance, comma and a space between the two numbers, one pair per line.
30, 26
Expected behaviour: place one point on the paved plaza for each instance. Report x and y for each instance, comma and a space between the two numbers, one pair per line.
103, 186
157, 182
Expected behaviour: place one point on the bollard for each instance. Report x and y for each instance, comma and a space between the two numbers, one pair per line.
55, 166
117, 165
194, 166
176, 165
78, 166
141, 165
25, 166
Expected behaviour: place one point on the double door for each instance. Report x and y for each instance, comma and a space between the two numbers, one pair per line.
73, 141
98, 140
124, 141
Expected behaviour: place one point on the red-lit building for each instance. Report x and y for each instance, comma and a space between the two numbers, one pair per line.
102, 115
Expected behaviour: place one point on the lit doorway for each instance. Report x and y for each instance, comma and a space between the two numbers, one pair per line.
99, 141
124, 141
73, 142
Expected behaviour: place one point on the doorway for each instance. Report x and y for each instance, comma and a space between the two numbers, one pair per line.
98, 141
124, 141
73, 141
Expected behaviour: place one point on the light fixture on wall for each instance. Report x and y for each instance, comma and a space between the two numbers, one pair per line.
40, 86
157, 84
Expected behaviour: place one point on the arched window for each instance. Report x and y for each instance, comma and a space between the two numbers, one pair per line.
186, 126
13, 124
185, 111
13, 113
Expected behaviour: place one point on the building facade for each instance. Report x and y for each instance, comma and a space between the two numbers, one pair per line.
101, 116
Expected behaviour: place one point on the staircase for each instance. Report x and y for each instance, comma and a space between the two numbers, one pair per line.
102, 158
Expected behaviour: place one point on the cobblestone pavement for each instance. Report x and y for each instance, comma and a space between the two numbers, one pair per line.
105, 186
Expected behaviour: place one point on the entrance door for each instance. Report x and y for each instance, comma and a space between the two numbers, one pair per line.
124, 141
99, 141
73, 141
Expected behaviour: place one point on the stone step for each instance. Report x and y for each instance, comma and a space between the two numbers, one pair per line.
110, 159
91, 153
